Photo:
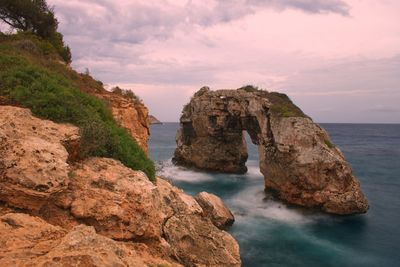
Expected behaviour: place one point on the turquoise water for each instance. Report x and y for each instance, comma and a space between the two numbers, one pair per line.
273, 234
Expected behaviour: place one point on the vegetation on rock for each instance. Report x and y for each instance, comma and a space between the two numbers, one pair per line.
129, 94
31, 76
35, 16
283, 106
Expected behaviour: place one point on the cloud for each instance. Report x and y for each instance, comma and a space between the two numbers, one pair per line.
384, 109
136, 21
324, 53
310, 6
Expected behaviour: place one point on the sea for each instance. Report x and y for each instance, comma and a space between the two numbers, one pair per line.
271, 233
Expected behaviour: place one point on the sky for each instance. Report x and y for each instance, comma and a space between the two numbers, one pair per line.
338, 60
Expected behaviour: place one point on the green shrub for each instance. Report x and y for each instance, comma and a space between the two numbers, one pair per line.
329, 144
249, 88
51, 95
125, 93
283, 106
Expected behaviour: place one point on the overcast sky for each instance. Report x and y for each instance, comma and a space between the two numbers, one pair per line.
339, 60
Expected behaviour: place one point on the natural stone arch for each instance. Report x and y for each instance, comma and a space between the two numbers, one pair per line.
297, 158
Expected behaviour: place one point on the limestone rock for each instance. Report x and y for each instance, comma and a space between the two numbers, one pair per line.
175, 201
215, 209
192, 237
297, 158
131, 114
119, 203
33, 159
30, 241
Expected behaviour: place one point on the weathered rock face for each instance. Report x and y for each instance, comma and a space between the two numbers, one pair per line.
186, 234
215, 209
131, 114
117, 202
297, 158
30, 241
33, 159
121, 203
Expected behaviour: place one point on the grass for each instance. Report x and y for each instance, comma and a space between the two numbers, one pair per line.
281, 106
31, 76
249, 88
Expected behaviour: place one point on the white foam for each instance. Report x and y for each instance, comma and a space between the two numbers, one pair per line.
175, 173
253, 172
251, 203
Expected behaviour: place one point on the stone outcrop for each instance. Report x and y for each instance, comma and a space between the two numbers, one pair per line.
131, 114
96, 211
154, 120
214, 208
33, 159
186, 235
297, 158
30, 241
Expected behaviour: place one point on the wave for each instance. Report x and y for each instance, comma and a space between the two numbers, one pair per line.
252, 202
172, 172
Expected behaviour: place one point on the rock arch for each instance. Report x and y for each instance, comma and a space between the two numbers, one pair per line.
298, 160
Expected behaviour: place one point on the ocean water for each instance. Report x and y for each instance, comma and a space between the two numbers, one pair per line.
273, 234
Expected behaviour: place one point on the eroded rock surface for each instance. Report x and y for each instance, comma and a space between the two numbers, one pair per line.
215, 209
30, 241
97, 201
131, 114
33, 159
297, 158
186, 235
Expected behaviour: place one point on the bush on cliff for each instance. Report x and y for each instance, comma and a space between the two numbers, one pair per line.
31, 80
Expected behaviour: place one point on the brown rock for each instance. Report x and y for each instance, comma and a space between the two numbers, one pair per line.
297, 158
215, 209
118, 202
32, 158
30, 241
121, 203
131, 114
193, 237
175, 201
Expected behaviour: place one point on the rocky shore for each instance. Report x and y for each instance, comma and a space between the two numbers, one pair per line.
56, 211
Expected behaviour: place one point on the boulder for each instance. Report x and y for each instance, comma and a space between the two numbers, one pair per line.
299, 162
119, 202
192, 237
33, 159
215, 209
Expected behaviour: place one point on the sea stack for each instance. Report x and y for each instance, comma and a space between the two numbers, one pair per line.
297, 158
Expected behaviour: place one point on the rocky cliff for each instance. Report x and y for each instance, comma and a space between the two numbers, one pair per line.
97, 212
297, 158
131, 114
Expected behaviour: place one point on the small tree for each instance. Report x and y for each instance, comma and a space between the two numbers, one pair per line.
37, 17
